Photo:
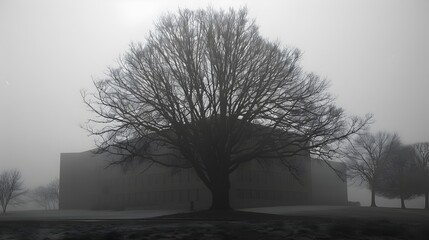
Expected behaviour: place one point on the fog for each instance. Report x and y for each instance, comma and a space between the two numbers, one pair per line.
374, 53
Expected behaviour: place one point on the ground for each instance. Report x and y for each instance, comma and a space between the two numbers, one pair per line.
299, 222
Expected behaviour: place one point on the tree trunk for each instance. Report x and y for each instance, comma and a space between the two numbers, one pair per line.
373, 197
220, 191
402, 202
426, 200
220, 199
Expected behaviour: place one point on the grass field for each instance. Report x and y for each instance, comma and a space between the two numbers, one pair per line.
331, 223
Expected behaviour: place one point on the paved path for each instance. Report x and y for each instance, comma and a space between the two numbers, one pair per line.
365, 213
83, 215
294, 210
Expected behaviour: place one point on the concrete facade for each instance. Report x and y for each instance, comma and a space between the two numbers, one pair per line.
86, 183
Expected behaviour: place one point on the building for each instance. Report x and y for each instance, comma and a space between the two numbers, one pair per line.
86, 183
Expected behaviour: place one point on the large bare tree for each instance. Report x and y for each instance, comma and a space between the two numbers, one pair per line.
422, 160
367, 155
209, 87
11, 188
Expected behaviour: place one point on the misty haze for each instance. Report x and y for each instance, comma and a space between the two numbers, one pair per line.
214, 120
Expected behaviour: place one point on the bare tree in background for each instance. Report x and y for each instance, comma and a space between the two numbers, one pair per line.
47, 196
422, 159
367, 155
54, 189
207, 86
399, 176
11, 188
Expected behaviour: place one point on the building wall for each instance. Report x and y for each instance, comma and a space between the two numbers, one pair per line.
85, 183
256, 185
327, 186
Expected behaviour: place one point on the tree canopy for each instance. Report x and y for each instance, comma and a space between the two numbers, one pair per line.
399, 176
11, 188
367, 156
421, 151
199, 84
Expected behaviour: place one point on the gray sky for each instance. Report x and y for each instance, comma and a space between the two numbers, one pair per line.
375, 54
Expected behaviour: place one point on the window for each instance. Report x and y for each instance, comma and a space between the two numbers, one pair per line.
180, 195
247, 194
240, 194
277, 195
181, 177
255, 194
143, 179
271, 195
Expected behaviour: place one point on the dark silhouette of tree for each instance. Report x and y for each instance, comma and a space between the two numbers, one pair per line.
47, 196
422, 161
398, 178
11, 188
209, 88
367, 155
